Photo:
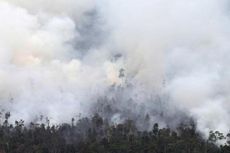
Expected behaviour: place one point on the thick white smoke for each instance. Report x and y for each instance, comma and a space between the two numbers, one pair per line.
58, 57
183, 44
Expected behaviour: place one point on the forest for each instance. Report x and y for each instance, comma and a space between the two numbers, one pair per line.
96, 135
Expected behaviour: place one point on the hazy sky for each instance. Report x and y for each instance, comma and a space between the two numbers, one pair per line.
58, 57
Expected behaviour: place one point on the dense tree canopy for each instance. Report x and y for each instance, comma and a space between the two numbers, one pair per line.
96, 135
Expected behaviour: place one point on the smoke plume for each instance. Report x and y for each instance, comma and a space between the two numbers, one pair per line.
124, 59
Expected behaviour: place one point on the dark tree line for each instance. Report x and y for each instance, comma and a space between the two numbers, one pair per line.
96, 135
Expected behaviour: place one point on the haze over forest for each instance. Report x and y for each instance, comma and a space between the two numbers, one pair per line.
122, 59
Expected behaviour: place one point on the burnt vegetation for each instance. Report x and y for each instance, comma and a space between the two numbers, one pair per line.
96, 135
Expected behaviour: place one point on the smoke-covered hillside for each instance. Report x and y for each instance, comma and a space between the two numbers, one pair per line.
164, 59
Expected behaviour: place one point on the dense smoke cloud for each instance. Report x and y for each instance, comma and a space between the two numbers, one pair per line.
168, 59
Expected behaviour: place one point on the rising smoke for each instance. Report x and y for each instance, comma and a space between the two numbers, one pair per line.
168, 59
